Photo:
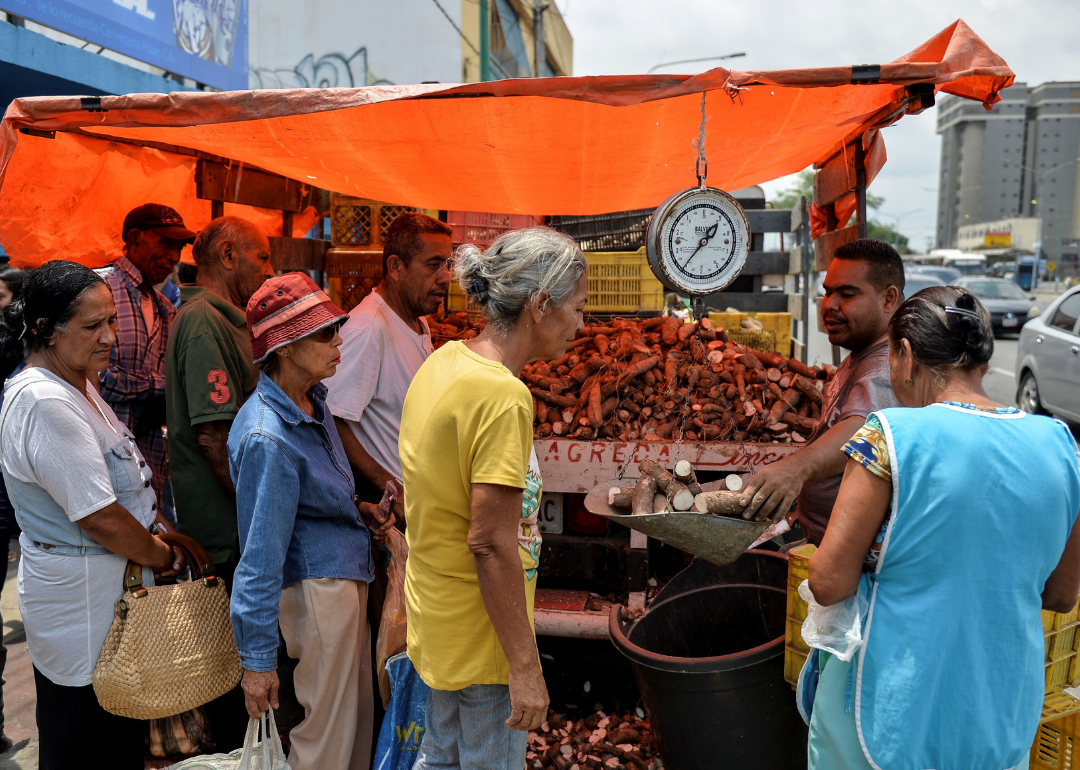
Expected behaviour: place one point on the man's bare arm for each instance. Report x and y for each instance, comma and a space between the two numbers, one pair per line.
213, 440
776, 486
363, 464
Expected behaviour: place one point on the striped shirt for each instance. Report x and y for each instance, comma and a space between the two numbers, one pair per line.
134, 383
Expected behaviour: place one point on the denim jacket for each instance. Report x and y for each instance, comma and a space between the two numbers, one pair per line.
295, 511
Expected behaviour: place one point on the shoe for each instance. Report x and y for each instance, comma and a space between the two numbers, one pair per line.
5, 743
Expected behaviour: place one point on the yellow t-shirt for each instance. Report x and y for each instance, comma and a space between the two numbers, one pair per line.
467, 420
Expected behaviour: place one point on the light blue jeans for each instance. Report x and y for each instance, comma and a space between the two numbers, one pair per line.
466, 730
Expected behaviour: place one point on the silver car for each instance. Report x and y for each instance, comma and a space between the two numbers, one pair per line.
1048, 360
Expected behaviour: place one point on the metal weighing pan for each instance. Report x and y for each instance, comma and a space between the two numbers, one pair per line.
717, 539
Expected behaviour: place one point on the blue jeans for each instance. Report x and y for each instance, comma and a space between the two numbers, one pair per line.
466, 730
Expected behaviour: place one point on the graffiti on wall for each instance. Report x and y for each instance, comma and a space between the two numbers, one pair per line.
332, 70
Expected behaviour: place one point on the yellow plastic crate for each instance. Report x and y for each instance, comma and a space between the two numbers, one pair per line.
1061, 644
728, 321
795, 649
1055, 746
622, 282
1058, 704
457, 301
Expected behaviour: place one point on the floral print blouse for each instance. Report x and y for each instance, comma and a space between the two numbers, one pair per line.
869, 448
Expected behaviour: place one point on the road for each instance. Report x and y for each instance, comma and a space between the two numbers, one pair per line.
1000, 381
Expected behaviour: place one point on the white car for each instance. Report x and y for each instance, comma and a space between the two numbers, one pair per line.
1048, 360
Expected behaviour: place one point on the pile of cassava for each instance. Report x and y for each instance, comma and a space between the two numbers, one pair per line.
597, 741
452, 326
664, 379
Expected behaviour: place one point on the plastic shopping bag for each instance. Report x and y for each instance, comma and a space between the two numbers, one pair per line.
393, 628
260, 752
838, 628
403, 725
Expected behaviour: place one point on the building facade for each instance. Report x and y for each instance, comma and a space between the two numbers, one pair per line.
1020, 159
348, 43
1021, 233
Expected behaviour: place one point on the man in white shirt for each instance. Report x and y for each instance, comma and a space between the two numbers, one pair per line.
386, 339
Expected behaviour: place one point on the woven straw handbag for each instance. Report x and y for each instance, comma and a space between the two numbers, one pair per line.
170, 648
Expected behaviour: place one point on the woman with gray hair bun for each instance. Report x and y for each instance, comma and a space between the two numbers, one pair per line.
955, 521
472, 492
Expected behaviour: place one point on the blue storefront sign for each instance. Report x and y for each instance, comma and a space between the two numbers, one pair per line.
205, 40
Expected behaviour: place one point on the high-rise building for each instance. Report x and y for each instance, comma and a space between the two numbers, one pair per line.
1020, 159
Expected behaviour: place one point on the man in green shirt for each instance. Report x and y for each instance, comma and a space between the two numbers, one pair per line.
208, 375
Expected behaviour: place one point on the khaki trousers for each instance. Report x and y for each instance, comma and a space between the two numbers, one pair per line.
324, 622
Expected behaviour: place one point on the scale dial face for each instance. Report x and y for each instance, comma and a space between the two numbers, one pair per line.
698, 241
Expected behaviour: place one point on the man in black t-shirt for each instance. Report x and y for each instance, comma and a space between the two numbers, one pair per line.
863, 288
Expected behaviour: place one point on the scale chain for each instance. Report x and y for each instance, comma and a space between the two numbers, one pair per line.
702, 167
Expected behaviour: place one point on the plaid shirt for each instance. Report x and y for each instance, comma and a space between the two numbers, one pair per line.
134, 383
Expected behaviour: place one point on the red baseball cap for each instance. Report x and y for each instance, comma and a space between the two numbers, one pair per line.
156, 216
285, 309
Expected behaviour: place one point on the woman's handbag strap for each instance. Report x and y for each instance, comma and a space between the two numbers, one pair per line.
201, 564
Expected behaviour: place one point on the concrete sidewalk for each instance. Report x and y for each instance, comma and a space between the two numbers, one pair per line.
19, 696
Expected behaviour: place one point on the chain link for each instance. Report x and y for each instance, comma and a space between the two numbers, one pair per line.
701, 169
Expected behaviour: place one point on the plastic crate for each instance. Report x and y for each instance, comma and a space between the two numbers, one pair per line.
795, 649
764, 341
622, 282
1061, 643
618, 231
457, 301
352, 274
483, 228
1055, 746
1058, 704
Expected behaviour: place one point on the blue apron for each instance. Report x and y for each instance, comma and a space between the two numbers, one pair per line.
950, 675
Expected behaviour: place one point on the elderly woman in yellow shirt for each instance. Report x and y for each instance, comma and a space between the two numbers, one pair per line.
472, 491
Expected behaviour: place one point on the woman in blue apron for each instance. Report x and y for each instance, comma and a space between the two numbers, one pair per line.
955, 521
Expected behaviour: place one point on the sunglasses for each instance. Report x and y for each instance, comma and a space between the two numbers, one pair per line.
327, 333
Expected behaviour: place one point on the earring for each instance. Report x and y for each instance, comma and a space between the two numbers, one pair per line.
909, 381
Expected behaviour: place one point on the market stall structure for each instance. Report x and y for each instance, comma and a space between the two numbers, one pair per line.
71, 167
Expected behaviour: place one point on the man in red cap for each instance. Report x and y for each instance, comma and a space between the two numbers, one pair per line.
134, 383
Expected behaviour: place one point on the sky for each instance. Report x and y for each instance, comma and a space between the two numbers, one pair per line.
1040, 40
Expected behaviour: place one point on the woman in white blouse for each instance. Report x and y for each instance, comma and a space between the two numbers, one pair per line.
82, 496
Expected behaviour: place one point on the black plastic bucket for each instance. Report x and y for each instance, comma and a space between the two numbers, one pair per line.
708, 656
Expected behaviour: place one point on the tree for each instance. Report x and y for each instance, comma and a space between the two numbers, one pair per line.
884, 232
804, 185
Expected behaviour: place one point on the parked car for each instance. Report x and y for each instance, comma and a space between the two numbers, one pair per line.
1009, 307
914, 282
946, 274
1048, 360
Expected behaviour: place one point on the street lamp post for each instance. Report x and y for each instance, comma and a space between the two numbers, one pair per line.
897, 218
694, 61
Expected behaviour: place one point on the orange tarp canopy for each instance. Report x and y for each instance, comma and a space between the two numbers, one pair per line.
582, 145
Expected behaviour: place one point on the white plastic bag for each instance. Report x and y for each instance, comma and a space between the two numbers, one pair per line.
838, 628
260, 752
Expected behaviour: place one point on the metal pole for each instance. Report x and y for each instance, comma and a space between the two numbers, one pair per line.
538, 38
485, 41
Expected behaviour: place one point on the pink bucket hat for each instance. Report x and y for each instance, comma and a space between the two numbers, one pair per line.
285, 309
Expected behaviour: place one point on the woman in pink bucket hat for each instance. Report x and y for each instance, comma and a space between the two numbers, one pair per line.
305, 551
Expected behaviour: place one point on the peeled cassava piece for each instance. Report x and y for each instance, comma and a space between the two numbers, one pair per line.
722, 502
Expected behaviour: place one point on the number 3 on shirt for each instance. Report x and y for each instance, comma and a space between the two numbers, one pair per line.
221, 393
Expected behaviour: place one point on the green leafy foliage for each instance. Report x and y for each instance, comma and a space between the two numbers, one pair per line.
804, 185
